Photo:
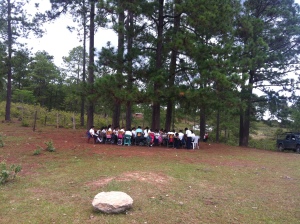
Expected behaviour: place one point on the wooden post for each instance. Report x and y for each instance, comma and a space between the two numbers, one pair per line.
57, 121
34, 122
74, 121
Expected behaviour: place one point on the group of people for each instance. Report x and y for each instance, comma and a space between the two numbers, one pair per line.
146, 136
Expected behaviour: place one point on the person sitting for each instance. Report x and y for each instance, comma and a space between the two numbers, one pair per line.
114, 135
205, 138
133, 130
176, 140
92, 134
146, 131
128, 132
170, 138
156, 137
150, 138
103, 134
127, 137
139, 135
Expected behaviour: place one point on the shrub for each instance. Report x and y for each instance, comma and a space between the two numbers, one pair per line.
8, 173
1, 142
50, 146
37, 151
25, 123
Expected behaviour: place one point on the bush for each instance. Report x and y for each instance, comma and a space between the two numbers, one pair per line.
50, 146
37, 151
25, 123
1, 142
8, 173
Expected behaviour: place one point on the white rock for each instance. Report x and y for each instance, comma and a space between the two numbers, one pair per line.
112, 202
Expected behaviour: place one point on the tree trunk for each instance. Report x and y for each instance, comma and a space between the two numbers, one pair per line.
120, 64
83, 70
174, 53
90, 112
245, 115
129, 28
9, 64
157, 85
218, 126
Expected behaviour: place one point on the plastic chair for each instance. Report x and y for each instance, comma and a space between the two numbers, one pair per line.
127, 140
195, 142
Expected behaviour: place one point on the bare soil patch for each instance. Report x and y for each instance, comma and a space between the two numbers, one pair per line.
154, 178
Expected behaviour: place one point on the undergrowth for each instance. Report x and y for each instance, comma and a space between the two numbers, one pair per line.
8, 173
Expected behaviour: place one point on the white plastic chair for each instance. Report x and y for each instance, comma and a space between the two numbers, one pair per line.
195, 142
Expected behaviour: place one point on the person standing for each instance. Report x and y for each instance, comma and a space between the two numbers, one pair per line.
188, 138
181, 138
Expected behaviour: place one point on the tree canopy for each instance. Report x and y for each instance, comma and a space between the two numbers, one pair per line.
220, 62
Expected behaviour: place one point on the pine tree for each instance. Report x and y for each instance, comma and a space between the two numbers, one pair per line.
268, 36
15, 24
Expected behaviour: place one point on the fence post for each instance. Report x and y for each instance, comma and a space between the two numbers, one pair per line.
57, 125
74, 121
34, 122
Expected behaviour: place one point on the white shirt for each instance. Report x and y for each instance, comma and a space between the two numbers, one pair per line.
146, 133
188, 133
128, 133
180, 135
92, 132
156, 134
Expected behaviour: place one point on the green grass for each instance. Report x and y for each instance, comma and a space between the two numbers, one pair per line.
216, 184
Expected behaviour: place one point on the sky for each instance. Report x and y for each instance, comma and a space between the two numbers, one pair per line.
58, 41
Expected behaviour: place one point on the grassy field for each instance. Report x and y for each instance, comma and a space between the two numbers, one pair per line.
214, 184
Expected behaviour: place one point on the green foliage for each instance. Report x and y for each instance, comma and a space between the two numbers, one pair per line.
279, 131
8, 173
25, 96
44, 117
1, 142
25, 123
50, 147
267, 144
38, 151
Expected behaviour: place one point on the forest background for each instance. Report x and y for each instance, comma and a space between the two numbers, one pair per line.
176, 60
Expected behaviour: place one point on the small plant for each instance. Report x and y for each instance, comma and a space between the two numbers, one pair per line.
24, 123
50, 146
8, 173
37, 151
1, 142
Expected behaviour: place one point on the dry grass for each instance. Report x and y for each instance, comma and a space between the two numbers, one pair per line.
216, 184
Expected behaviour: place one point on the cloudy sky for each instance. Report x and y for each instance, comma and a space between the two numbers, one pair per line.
57, 40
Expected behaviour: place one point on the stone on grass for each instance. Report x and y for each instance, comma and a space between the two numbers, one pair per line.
112, 202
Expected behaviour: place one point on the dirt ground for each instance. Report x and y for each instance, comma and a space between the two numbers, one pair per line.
67, 139
226, 182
